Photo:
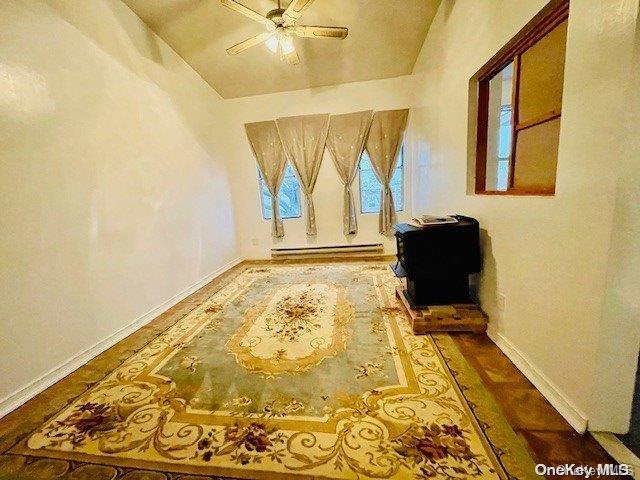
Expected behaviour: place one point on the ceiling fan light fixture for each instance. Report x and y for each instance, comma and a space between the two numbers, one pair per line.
272, 43
286, 43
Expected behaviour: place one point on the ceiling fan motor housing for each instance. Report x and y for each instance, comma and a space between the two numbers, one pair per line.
276, 16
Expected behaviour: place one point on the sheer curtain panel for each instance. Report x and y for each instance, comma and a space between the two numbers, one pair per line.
269, 153
345, 141
383, 144
303, 138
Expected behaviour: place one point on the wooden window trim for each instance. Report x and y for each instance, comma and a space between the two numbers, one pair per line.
548, 19
515, 94
547, 117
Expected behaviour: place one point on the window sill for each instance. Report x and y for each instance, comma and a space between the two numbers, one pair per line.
378, 213
283, 219
519, 193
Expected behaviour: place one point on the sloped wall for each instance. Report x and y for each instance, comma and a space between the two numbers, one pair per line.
115, 193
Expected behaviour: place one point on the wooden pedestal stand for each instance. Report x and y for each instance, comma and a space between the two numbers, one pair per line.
444, 318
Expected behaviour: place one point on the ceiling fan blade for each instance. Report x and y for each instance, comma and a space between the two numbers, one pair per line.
320, 32
247, 12
292, 58
295, 9
250, 42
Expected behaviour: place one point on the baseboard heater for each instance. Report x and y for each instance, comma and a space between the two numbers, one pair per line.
363, 250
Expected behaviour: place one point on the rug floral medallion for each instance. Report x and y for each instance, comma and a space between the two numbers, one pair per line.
285, 372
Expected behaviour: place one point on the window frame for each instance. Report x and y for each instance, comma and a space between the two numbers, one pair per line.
547, 20
261, 180
404, 171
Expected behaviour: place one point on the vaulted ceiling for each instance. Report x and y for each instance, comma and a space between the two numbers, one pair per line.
385, 37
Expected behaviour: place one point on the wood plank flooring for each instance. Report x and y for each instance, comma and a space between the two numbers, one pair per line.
551, 440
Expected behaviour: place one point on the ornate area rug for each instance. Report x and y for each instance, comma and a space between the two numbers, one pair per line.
304, 371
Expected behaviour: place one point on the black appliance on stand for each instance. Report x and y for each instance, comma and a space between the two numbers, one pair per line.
437, 261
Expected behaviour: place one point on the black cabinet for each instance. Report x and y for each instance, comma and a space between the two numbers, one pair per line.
438, 259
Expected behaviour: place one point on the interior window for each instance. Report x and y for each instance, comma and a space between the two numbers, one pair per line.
371, 188
519, 110
289, 196
504, 147
499, 129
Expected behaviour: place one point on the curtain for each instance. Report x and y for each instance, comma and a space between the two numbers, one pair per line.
267, 148
303, 139
345, 141
383, 143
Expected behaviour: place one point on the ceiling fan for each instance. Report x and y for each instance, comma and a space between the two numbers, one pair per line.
281, 27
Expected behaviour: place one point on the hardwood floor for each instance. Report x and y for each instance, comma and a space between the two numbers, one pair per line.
551, 440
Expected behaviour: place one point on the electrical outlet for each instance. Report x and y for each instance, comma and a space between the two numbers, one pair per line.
254, 242
502, 302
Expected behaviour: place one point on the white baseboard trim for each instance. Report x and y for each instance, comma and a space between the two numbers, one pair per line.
618, 451
24, 394
571, 414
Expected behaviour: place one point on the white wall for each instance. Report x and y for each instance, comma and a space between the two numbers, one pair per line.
256, 240
619, 340
115, 195
548, 256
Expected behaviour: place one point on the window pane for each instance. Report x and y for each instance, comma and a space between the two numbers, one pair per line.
499, 129
542, 75
396, 184
266, 199
370, 187
537, 157
289, 196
